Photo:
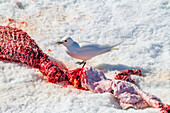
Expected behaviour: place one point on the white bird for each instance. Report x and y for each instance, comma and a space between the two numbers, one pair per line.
85, 52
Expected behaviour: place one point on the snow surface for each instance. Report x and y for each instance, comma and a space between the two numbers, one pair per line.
143, 24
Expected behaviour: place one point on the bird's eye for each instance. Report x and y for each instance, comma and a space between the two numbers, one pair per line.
65, 40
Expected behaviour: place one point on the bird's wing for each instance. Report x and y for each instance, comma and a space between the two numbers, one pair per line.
91, 50
86, 44
89, 47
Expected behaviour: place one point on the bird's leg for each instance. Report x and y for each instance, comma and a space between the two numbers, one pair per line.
84, 64
80, 62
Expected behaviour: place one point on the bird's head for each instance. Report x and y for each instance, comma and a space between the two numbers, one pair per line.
66, 42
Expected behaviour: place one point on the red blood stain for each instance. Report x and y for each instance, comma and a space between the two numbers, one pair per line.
125, 75
10, 19
23, 22
49, 50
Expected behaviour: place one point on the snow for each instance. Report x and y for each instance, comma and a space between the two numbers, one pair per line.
143, 25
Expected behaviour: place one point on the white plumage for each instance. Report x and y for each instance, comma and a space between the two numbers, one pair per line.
84, 52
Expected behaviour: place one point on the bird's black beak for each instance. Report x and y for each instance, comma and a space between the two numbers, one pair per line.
57, 43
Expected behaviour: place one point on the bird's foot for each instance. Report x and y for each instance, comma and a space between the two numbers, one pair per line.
80, 63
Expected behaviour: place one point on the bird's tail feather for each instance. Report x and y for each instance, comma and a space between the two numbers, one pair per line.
115, 48
110, 48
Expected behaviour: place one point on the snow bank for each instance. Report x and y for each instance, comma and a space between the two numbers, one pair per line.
144, 25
